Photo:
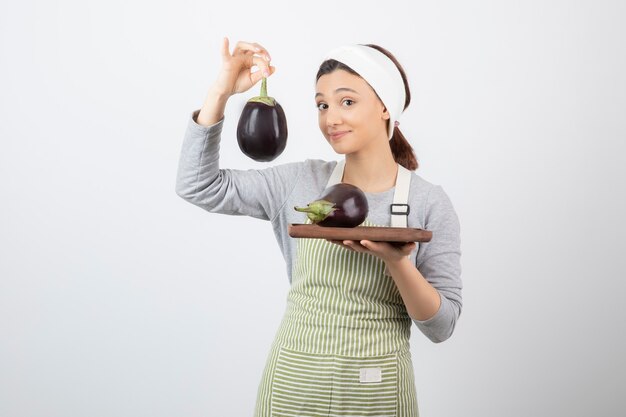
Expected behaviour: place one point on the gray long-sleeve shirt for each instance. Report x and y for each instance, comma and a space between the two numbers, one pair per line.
271, 193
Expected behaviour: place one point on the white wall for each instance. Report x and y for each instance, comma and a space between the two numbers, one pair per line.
118, 298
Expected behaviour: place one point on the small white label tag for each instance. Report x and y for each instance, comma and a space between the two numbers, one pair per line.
371, 375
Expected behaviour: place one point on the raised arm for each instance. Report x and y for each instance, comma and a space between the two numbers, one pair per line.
256, 193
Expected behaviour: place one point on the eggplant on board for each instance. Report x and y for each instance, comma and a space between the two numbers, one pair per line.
340, 205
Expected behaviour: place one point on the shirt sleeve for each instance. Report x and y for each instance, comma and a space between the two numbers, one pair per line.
258, 193
439, 261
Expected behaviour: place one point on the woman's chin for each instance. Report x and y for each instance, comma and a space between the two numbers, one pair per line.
342, 150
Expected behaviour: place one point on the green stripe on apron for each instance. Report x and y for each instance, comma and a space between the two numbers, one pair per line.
342, 348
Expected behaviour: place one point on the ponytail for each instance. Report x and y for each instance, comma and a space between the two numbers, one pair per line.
402, 150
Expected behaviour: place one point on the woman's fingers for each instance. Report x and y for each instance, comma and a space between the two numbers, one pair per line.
262, 64
255, 55
225, 51
257, 75
387, 251
339, 242
252, 47
225, 48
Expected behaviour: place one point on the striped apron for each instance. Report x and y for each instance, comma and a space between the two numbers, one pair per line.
342, 348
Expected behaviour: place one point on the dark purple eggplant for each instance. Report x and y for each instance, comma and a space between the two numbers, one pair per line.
340, 205
262, 127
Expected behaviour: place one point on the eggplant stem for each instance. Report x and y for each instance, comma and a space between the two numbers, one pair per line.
303, 209
317, 210
263, 98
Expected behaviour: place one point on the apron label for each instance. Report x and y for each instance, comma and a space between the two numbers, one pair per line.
371, 375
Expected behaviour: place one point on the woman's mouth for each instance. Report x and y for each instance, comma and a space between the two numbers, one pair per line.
337, 135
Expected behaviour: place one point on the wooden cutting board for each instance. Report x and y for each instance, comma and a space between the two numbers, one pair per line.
373, 233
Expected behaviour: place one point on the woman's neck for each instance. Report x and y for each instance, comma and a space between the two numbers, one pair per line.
372, 173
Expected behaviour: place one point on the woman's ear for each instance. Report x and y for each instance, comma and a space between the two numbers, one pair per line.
386, 115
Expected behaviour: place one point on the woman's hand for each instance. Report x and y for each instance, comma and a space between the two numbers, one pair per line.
388, 252
235, 75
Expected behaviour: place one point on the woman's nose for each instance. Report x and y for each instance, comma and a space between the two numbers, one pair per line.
333, 117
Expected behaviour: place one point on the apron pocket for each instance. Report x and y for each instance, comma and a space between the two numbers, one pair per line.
309, 384
302, 384
365, 386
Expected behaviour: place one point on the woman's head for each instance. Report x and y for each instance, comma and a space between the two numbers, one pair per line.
347, 104
361, 111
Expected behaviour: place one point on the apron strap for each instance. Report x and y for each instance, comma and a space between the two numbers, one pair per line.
337, 174
400, 207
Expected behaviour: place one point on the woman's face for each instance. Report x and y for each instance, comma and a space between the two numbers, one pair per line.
351, 117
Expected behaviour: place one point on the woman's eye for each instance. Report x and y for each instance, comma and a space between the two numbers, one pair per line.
348, 100
319, 106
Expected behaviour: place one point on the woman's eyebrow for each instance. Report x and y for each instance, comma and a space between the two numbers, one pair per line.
338, 91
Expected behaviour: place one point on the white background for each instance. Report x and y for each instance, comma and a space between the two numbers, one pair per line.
118, 298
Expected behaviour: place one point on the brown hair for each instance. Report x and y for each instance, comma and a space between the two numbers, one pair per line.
401, 149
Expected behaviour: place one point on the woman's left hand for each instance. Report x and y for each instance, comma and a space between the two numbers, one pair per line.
384, 250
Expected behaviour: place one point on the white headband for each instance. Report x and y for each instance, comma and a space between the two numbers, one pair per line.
379, 72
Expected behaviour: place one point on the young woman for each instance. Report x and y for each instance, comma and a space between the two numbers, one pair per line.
342, 347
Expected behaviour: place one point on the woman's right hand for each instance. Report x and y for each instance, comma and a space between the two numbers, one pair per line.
235, 75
